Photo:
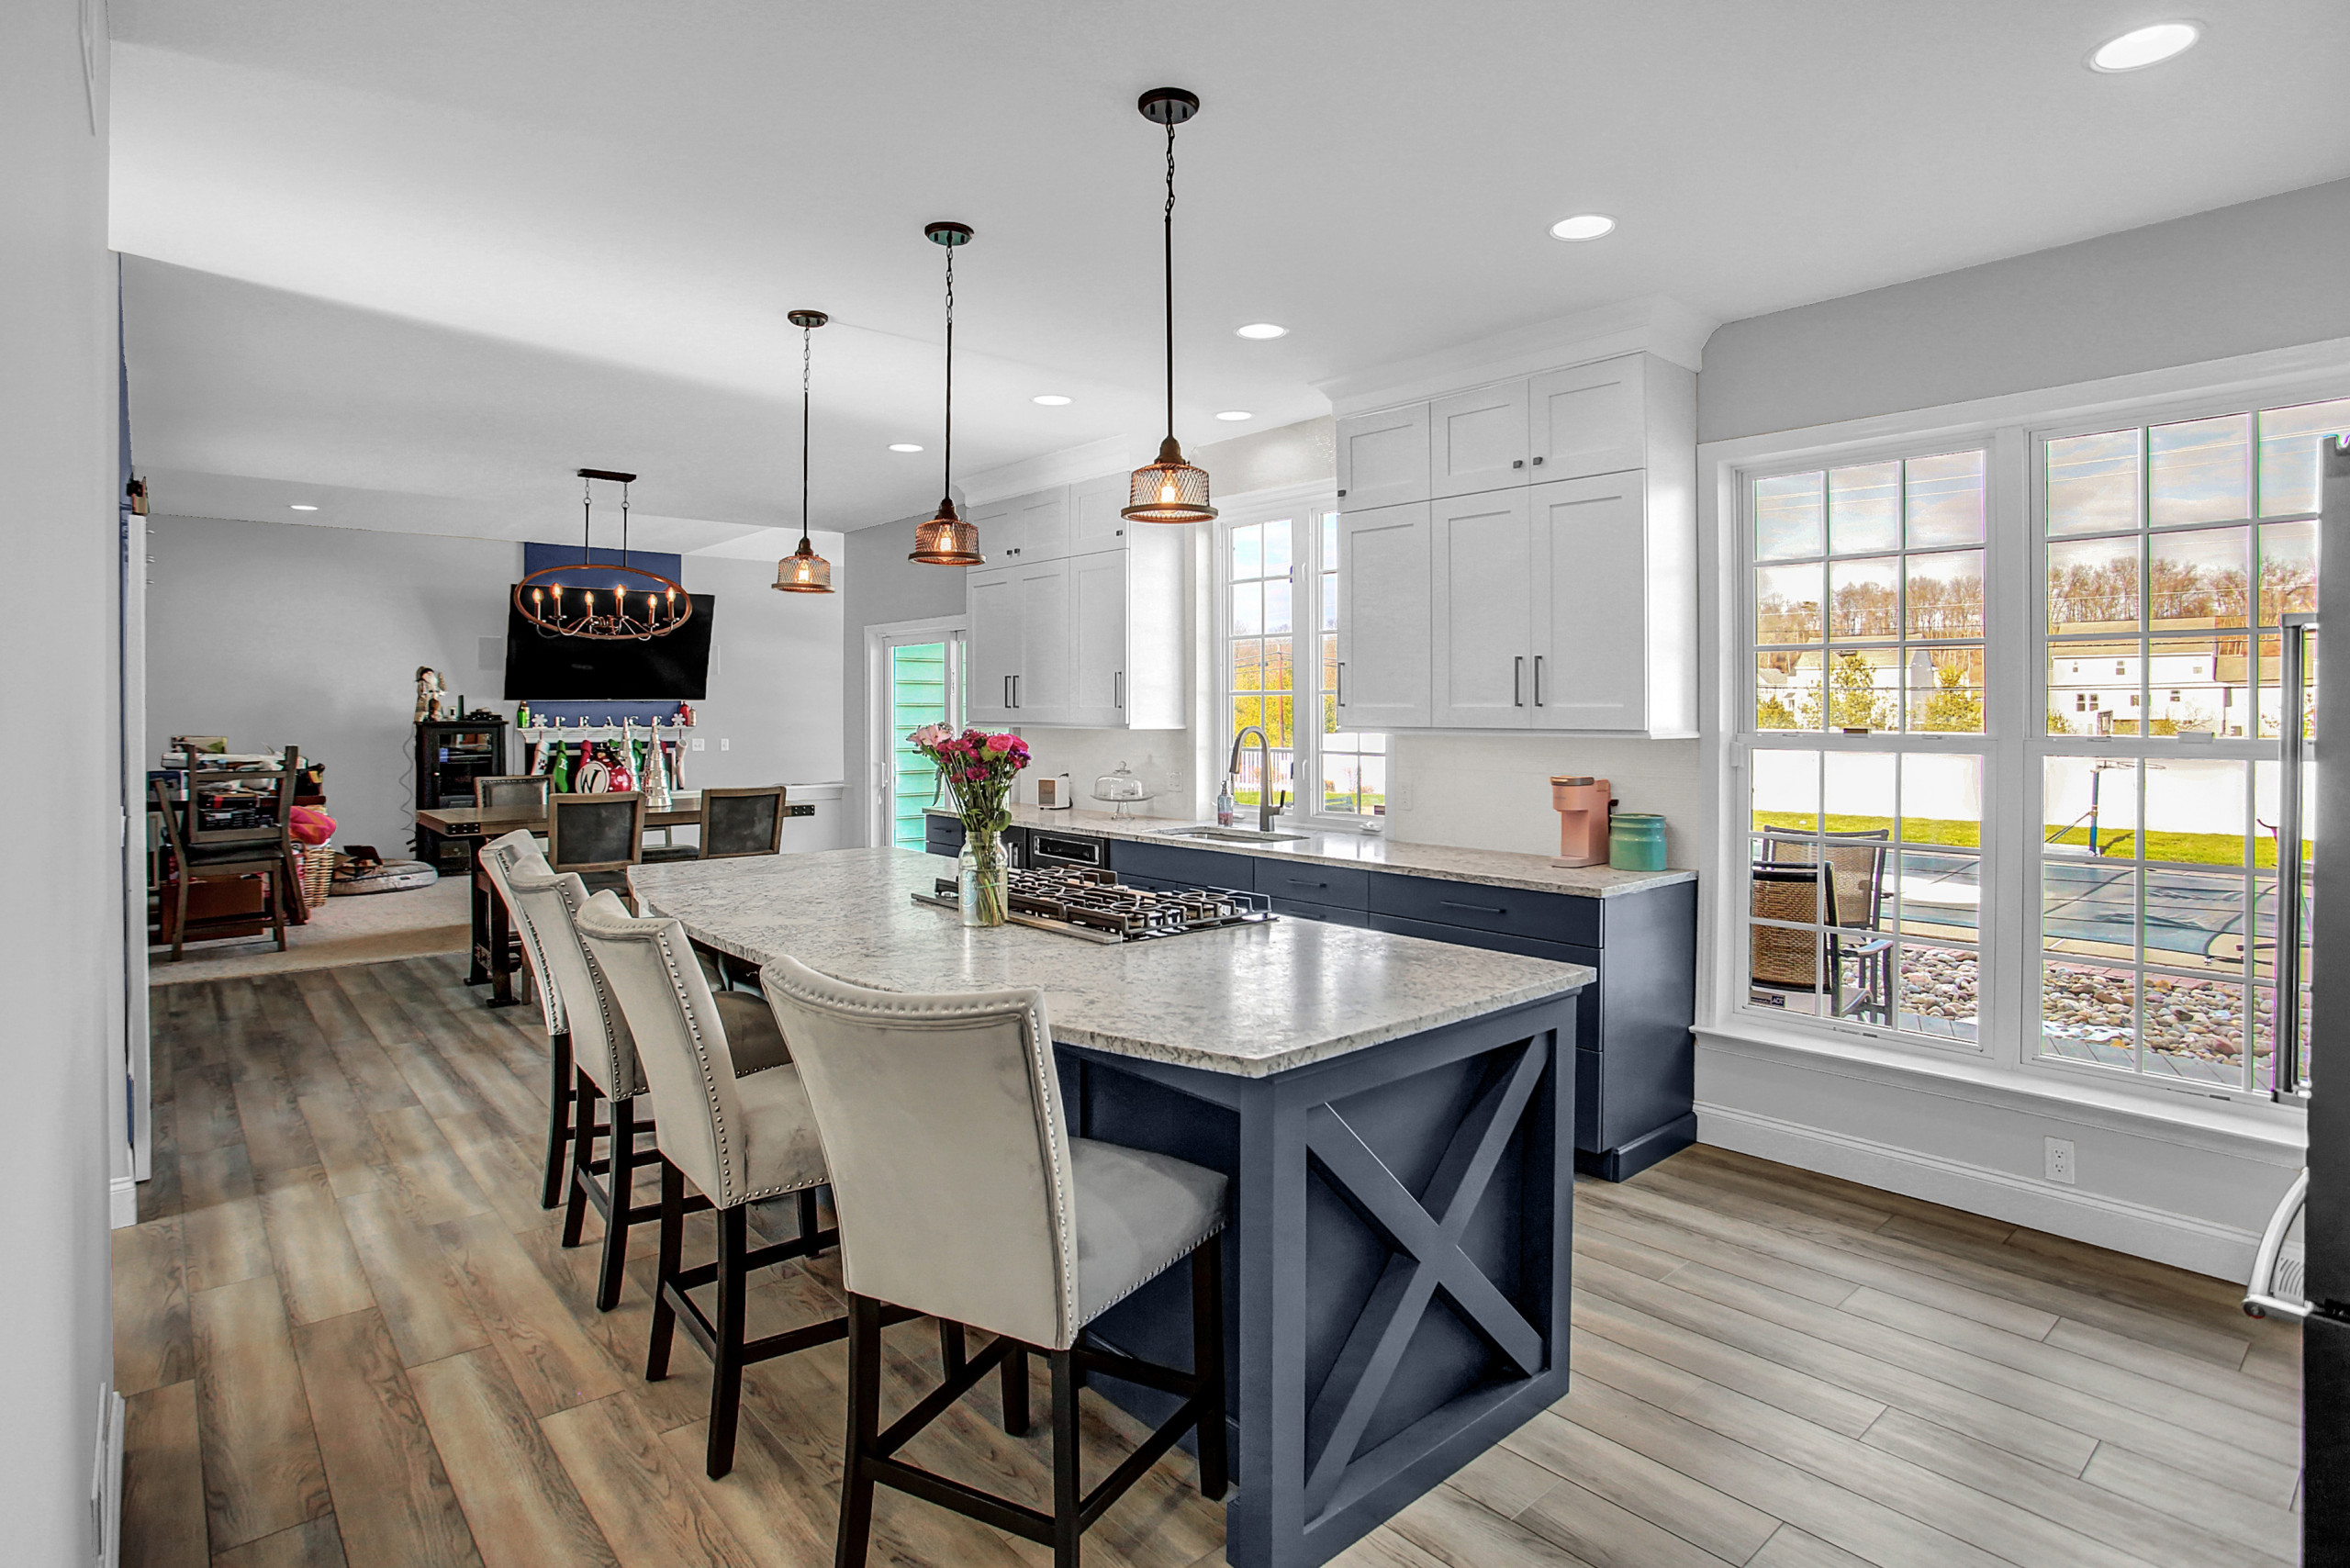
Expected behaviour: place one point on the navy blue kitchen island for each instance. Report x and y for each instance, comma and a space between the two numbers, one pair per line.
1397, 1118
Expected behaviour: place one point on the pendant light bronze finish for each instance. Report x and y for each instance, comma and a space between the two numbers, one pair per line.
1169, 489
947, 539
804, 571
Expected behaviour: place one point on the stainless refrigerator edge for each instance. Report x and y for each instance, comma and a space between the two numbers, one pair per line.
2325, 1380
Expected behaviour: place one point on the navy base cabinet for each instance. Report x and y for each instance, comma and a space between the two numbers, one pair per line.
1635, 1058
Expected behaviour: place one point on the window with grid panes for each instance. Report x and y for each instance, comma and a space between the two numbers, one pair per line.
1259, 652
1353, 762
2170, 551
1866, 724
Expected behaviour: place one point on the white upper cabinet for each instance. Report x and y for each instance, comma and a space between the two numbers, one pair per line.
1040, 691
1383, 619
1477, 440
1384, 457
993, 598
1092, 640
1094, 521
1481, 589
1040, 525
1592, 609
1097, 599
1588, 419
998, 526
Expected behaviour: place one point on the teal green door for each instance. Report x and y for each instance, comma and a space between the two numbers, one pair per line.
924, 688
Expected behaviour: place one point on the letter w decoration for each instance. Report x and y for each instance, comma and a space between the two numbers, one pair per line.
1426, 1240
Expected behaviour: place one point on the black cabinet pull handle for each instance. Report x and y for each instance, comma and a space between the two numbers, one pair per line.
1342, 683
1518, 681
1007, 691
1537, 679
1517, 462
1478, 908
1538, 462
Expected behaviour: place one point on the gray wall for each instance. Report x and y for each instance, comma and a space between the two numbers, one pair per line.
60, 927
878, 586
2262, 274
275, 633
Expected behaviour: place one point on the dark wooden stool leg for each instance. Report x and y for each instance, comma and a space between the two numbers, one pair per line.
620, 1185
673, 1242
726, 1372
951, 1352
1015, 1391
808, 1226
1068, 1496
583, 1154
559, 1101
1207, 1361
863, 1423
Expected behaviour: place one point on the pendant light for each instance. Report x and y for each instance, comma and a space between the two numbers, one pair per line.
947, 539
804, 571
637, 604
1170, 490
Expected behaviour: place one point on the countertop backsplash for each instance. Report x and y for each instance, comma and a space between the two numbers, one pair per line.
1493, 792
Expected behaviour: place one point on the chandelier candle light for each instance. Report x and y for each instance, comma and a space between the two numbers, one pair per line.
1170, 490
978, 768
947, 539
639, 605
804, 571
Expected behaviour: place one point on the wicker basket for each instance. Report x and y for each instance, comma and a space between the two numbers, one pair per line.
318, 873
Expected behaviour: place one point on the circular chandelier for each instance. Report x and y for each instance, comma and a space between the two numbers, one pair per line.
804, 571
634, 605
1168, 488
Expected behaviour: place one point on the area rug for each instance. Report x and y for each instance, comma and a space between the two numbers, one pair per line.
434, 919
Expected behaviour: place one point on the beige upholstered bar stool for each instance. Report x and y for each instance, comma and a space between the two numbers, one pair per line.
604, 1053
737, 1133
518, 850
960, 1194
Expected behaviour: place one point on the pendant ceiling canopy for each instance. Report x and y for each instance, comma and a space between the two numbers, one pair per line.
620, 603
1169, 489
947, 539
804, 571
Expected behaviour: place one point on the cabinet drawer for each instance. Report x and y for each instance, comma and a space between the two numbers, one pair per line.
1587, 1008
1548, 917
1184, 867
1299, 909
943, 835
1340, 887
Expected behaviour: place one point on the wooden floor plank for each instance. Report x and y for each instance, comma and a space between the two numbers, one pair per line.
205, 1102
422, 1303
317, 1266
2238, 1387
162, 1480
1711, 1520
521, 1503
1799, 1393
553, 1364
349, 1150
432, 1181
152, 1349
643, 1500
2205, 1499
507, 1175
277, 1137
315, 1544
1791, 1548
262, 1470
225, 1242
1456, 1530
1662, 1242
392, 1496
1583, 1524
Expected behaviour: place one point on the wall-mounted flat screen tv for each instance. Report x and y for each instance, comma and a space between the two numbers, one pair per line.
544, 667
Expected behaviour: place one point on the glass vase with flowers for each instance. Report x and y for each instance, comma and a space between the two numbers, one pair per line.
977, 768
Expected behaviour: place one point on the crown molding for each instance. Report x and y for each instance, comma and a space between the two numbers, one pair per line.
1071, 465
1653, 323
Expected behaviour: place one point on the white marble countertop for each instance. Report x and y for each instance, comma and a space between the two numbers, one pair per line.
1251, 1000
1493, 868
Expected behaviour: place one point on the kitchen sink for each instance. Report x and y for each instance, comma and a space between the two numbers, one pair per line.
1234, 834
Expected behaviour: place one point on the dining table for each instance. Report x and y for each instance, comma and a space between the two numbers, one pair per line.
493, 935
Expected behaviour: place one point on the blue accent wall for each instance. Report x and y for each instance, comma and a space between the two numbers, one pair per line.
540, 557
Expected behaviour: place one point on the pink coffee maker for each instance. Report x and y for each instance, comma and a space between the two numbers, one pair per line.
1581, 803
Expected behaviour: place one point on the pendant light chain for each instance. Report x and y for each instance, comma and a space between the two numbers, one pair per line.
807, 352
1171, 280
623, 525
946, 481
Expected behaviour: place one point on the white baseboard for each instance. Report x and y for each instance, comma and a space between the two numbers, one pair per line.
122, 1201
2181, 1240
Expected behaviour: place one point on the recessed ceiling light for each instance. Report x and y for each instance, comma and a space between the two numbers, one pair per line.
1260, 330
903, 446
298, 506
2147, 46
1584, 226
1050, 400
1235, 414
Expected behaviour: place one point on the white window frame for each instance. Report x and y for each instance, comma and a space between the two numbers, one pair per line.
1304, 507
2009, 1058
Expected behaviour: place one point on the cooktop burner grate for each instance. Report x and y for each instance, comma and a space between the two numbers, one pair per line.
1093, 904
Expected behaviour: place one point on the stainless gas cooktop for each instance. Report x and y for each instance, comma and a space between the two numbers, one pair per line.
1095, 906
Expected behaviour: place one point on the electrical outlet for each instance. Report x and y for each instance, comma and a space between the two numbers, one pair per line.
725, 744
2060, 1159
1174, 778
699, 743
1404, 796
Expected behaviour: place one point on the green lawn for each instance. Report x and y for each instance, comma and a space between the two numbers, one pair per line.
2182, 848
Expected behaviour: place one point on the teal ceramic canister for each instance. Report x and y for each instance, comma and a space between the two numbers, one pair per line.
1636, 841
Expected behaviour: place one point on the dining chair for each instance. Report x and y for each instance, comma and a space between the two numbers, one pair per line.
603, 1049
741, 822
598, 836
961, 1194
500, 859
1857, 860
1784, 958
222, 828
739, 1130
495, 791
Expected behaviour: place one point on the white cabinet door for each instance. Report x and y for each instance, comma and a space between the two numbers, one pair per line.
1481, 639
1040, 525
1383, 618
1097, 599
1384, 457
1477, 440
1591, 588
998, 527
1094, 524
995, 643
1040, 692
1588, 419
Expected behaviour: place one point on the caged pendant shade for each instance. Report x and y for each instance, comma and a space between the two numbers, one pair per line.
804, 571
1169, 489
947, 539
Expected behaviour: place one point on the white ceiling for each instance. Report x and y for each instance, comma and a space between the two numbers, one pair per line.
416, 263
